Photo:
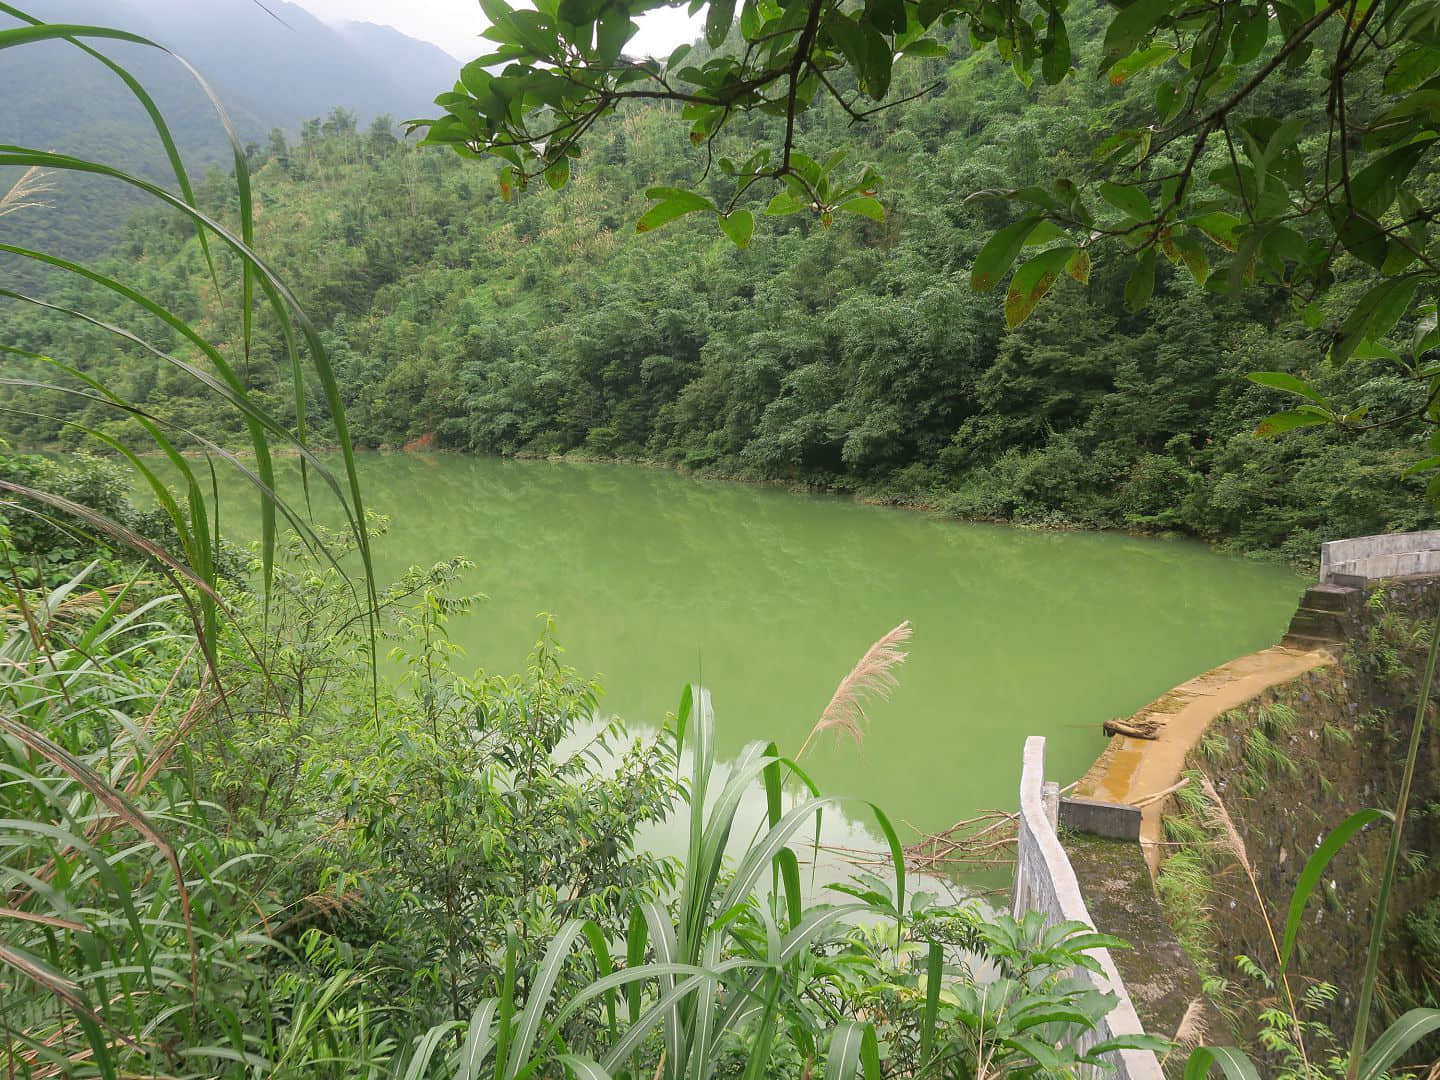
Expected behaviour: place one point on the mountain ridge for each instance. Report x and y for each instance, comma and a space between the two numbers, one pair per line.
273, 67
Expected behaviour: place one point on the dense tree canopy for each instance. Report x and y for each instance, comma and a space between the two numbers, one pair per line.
1275, 142
853, 357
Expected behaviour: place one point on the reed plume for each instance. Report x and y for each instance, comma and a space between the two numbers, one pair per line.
1221, 821
1192, 1030
25, 192
1231, 840
872, 677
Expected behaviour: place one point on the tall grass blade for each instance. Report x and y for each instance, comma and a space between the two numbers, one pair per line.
815, 922
157, 118
430, 1042
759, 1048
582, 1068
600, 949
126, 536
843, 1060
479, 1040
506, 1028
663, 1010
934, 973
662, 937
1315, 868
124, 810
152, 426
636, 938
246, 205
542, 983
897, 858
283, 302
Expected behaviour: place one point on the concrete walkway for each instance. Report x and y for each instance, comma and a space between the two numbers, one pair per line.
1132, 771
1162, 981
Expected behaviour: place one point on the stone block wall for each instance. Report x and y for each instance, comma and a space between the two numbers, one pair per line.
1364, 559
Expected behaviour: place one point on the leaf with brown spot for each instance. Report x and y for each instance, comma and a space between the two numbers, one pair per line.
1033, 280
1219, 227
1193, 255
1305, 416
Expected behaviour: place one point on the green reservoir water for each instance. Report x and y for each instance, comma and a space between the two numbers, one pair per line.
770, 597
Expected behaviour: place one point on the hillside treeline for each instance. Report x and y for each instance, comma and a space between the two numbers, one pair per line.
853, 357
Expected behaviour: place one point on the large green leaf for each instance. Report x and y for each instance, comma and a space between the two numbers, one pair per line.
673, 203
1232, 1062
1140, 61
1141, 286
1000, 253
865, 206
1281, 380
1033, 280
1130, 201
1132, 25
739, 226
718, 17
1396, 1039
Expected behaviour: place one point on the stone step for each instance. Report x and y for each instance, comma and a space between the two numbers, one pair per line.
1322, 625
1305, 643
1335, 598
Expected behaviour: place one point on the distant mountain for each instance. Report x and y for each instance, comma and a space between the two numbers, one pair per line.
419, 69
275, 65
289, 66
272, 66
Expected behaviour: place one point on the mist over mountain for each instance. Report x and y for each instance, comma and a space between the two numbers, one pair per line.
271, 66
275, 65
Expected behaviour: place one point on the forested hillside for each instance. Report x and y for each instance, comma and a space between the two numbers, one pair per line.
854, 356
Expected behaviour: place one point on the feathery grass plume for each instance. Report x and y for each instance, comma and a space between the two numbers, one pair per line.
871, 677
1222, 822
1192, 1030
1220, 819
73, 607
24, 193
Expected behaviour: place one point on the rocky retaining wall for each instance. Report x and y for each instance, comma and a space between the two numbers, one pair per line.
1289, 766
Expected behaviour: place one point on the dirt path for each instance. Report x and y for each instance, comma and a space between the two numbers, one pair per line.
1133, 770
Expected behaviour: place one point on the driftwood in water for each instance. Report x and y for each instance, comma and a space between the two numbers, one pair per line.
1136, 729
983, 842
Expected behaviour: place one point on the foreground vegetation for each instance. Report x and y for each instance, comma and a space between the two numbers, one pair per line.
240, 867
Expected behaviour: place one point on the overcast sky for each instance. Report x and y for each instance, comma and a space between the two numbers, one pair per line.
455, 25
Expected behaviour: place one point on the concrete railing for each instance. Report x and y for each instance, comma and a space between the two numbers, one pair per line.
1364, 559
1045, 881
